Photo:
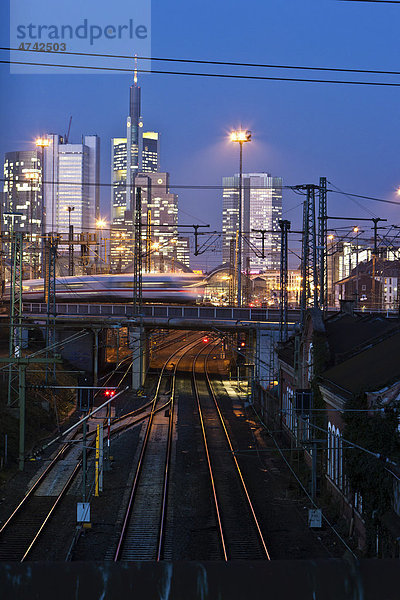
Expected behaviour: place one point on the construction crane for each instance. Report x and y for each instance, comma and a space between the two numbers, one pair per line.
66, 137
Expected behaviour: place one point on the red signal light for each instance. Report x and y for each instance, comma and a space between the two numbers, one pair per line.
205, 340
243, 344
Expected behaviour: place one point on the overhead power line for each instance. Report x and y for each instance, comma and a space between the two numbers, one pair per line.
212, 75
215, 62
376, 1
209, 187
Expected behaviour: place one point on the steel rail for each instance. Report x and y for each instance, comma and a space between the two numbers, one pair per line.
210, 468
233, 454
138, 472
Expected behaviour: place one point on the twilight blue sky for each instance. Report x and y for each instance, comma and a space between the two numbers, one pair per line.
301, 131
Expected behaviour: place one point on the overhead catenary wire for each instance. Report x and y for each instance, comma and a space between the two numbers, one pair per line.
293, 188
211, 75
214, 62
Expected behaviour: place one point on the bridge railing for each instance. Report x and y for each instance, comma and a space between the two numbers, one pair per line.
154, 310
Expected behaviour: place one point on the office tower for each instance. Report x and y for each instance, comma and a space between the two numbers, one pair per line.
261, 209
133, 135
150, 155
163, 235
118, 179
163, 206
138, 152
72, 173
22, 202
183, 251
149, 161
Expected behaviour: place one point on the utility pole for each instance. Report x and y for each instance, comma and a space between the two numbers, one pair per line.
148, 242
15, 338
309, 270
50, 291
263, 232
137, 256
322, 241
232, 273
375, 253
283, 328
70, 241
22, 364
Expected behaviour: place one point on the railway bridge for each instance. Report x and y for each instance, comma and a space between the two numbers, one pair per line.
95, 321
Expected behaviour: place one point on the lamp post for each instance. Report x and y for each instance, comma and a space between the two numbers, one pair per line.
100, 225
70, 241
240, 137
42, 143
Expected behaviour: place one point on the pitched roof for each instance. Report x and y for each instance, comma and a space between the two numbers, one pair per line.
347, 334
378, 365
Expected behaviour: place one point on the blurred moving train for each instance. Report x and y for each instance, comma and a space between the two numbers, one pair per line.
157, 287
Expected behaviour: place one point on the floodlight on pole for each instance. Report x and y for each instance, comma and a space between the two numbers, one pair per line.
240, 136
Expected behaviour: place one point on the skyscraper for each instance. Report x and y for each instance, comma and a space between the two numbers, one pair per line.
163, 205
133, 135
138, 152
261, 209
150, 162
22, 200
72, 173
163, 235
118, 178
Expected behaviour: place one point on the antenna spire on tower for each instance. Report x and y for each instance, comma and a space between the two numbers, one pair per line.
135, 71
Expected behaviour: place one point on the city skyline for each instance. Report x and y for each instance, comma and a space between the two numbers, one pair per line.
291, 132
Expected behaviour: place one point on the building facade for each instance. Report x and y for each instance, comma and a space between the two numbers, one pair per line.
22, 203
22, 193
150, 152
138, 152
261, 210
72, 173
160, 210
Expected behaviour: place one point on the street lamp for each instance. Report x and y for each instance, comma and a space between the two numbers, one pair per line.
240, 136
101, 224
43, 143
70, 241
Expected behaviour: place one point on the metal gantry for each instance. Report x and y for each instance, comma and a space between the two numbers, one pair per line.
309, 267
322, 241
15, 337
137, 258
51, 243
283, 305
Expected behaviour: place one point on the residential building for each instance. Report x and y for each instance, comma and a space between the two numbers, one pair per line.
261, 210
345, 253
346, 364
372, 285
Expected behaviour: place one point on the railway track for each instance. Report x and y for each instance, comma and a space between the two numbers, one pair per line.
239, 532
20, 532
143, 529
